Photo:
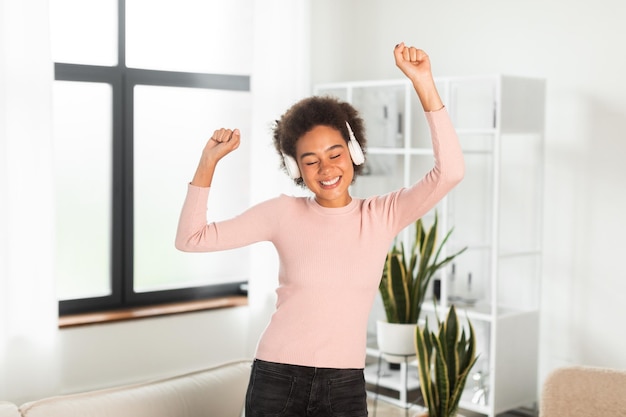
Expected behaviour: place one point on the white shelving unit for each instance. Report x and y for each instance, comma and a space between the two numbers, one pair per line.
403, 380
495, 212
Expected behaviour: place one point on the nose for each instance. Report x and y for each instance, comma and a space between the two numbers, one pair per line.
324, 166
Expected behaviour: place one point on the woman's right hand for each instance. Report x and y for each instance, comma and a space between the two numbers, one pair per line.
222, 142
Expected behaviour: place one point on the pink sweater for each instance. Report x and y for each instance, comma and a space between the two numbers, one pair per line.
331, 259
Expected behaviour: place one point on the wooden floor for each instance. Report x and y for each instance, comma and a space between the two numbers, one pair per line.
385, 409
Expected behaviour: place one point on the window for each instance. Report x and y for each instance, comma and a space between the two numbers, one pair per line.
139, 87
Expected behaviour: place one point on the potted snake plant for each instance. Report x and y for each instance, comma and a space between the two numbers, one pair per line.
445, 358
403, 287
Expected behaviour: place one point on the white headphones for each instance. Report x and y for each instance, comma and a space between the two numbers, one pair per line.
356, 154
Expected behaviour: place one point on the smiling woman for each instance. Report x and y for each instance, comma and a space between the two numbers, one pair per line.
329, 245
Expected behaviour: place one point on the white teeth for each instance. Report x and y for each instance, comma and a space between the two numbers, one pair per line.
330, 182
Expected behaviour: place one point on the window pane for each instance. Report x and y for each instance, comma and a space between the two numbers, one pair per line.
84, 32
171, 127
82, 161
196, 36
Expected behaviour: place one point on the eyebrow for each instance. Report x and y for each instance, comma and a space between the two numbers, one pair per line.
304, 155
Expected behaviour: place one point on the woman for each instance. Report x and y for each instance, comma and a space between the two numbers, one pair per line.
332, 247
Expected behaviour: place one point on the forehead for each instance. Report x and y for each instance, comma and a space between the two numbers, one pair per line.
319, 139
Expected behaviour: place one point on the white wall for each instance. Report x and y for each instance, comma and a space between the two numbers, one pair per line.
577, 47
103, 355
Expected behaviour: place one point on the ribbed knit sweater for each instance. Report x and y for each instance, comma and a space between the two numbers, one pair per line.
331, 259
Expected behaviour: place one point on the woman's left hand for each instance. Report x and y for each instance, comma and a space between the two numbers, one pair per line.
413, 62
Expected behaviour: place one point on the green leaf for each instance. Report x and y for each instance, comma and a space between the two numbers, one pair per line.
445, 370
399, 290
423, 349
451, 335
455, 397
441, 379
386, 291
427, 247
406, 276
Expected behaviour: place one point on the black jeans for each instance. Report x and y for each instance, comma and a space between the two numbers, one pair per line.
280, 390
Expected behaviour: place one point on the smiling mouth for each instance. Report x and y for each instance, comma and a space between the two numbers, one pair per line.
330, 182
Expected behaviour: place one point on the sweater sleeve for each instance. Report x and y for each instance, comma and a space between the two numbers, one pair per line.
195, 234
409, 204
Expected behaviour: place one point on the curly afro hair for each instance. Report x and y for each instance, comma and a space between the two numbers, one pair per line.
317, 111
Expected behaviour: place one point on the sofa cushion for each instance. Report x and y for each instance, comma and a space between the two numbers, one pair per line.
214, 392
584, 391
8, 409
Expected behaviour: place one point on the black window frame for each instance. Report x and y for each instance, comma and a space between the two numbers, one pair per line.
123, 80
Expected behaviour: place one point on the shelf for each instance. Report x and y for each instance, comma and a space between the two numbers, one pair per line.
391, 378
478, 311
495, 212
470, 406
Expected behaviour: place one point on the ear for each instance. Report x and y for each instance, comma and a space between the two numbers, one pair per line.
292, 167
356, 153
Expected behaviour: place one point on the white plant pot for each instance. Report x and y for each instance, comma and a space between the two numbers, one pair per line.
396, 341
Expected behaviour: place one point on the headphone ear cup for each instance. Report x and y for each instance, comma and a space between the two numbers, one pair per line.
292, 167
356, 152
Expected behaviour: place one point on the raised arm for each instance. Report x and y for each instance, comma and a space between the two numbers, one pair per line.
415, 201
415, 64
223, 142
192, 228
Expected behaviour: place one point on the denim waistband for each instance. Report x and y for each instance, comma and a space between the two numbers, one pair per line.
305, 369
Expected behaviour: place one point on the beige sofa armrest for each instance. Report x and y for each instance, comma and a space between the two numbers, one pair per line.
584, 391
218, 391
8, 409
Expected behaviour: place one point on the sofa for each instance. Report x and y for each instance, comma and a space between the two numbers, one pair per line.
584, 391
218, 391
